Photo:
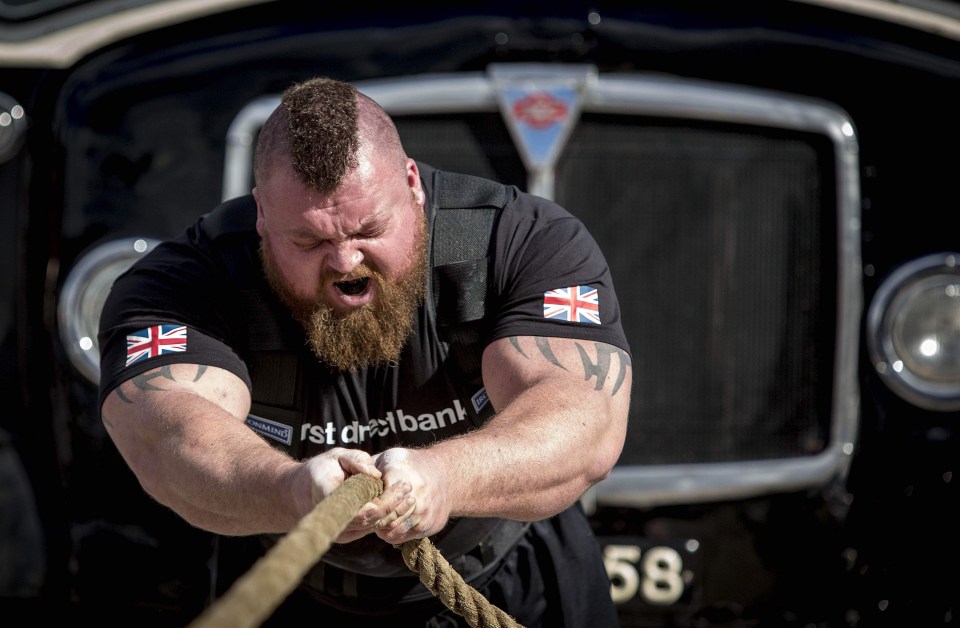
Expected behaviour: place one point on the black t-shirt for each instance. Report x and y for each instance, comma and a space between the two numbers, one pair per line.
201, 298
204, 300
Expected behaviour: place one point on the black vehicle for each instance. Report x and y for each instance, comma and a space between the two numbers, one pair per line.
772, 183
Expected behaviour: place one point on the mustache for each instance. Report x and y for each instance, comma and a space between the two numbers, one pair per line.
360, 272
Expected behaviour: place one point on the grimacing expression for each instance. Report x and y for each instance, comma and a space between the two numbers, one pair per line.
372, 334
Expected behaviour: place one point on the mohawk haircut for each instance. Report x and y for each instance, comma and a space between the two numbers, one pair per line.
316, 125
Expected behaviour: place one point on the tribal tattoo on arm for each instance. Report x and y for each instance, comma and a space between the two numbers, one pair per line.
153, 380
598, 367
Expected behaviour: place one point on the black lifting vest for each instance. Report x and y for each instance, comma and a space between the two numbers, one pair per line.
465, 211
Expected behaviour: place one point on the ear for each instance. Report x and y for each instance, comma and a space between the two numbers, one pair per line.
260, 220
413, 180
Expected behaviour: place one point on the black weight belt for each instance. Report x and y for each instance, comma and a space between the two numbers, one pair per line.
359, 593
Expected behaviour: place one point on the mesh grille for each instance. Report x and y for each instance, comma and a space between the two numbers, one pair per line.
722, 241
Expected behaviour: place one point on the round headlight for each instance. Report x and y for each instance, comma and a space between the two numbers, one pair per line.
913, 331
83, 295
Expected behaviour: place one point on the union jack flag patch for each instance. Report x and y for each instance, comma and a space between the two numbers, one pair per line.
577, 304
156, 340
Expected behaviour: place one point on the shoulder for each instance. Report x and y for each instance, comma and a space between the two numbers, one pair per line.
235, 216
450, 190
532, 221
194, 271
526, 207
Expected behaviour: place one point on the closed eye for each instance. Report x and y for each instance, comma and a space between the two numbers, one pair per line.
374, 232
306, 245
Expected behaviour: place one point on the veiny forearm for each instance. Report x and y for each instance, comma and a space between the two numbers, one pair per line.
205, 464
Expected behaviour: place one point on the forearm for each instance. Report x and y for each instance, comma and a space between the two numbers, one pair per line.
535, 458
205, 464
562, 408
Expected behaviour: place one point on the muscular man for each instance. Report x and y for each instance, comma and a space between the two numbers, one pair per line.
288, 341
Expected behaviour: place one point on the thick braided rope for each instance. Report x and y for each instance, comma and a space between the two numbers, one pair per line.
256, 594
422, 557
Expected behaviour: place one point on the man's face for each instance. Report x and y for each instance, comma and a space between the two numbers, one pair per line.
351, 265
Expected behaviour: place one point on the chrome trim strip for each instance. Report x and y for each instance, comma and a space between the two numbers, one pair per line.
62, 48
937, 18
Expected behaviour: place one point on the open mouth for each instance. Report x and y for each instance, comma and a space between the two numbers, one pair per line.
353, 287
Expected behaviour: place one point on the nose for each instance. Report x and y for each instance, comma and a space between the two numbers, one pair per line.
344, 257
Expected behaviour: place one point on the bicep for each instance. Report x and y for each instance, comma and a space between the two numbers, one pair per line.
158, 417
599, 372
148, 396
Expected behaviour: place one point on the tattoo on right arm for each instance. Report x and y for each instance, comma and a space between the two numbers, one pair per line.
153, 380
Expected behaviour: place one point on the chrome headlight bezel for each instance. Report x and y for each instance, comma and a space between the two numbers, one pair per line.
83, 295
912, 323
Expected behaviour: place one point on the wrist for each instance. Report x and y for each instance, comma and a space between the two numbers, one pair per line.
299, 491
446, 478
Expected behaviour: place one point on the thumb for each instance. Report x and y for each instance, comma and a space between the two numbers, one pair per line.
355, 461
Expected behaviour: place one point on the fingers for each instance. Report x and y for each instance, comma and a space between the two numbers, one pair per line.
327, 471
394, 500
431, 511
403, 527
409, 507
354, 461
402, 523
389, 505
402, 511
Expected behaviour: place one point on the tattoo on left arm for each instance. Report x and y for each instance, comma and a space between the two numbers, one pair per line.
544, 345
599, 368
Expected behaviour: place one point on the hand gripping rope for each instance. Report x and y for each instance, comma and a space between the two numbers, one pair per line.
257, 593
